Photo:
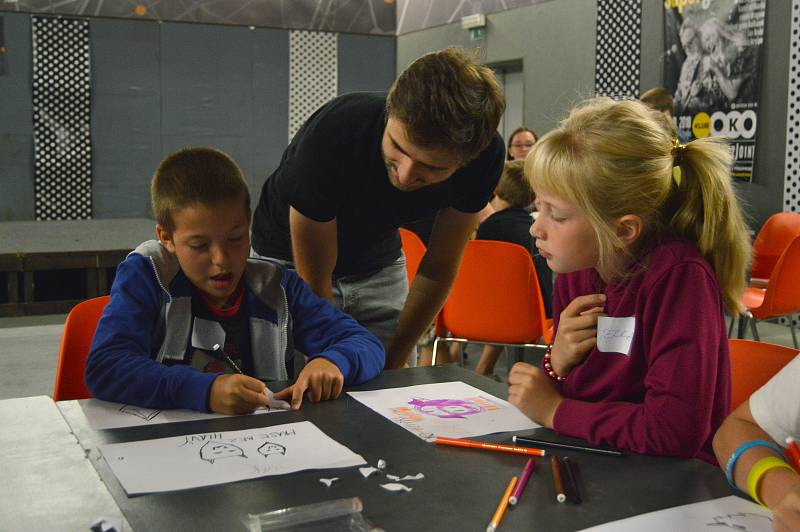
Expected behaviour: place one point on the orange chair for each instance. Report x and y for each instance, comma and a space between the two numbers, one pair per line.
753, 364
414, 250
772, 240
75, 343
781, 297
495, 298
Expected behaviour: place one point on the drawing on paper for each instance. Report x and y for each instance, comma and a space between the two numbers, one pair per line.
144, 413
447, 408
270, 448
741, 521
216, 450
451, 409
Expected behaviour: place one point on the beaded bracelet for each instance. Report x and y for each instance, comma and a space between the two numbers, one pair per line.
759, 470
731, 465
548, 366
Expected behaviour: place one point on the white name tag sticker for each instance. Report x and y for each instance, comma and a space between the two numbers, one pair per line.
614, 335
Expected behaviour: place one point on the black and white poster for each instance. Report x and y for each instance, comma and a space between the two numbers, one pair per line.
713, 68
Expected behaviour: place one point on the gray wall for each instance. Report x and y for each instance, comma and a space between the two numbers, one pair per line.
159, 87
16, 124
556, 42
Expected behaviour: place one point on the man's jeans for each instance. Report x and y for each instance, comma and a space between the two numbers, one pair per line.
374, 299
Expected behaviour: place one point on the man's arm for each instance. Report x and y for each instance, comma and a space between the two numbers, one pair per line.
433, 281
315, 250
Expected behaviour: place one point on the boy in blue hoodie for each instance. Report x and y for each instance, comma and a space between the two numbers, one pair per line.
192, 323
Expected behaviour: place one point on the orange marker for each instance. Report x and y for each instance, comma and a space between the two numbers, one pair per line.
501, 508
530, 451
557, 480
793, 453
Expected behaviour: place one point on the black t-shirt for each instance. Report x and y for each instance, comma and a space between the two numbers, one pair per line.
229, 328
513, 225
333, 168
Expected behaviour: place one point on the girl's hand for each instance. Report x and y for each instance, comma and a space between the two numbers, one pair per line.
786, 514
577, 332
533, 392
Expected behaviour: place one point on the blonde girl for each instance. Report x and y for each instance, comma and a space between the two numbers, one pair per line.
665, 252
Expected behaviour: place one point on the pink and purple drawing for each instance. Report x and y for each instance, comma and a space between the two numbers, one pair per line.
446, 408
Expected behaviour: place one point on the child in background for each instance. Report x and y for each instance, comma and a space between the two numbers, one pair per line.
746, 449
663, 252
192, 323
512, 223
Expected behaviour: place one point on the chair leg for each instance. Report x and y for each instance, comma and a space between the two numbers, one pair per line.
754, 329
791, 328
435, 349
730, 328
742, 327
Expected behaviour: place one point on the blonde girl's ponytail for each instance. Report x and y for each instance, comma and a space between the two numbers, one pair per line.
707, 213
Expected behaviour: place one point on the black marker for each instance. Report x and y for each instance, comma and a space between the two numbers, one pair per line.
572, 479
597, 450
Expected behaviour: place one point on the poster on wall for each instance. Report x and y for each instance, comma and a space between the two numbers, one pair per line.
713, 51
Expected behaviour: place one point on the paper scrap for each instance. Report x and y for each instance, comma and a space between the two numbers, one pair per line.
395, 486
366, 471
328, 481
381, 464
393, 477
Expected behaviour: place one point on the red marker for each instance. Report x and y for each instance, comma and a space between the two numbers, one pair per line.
793, 453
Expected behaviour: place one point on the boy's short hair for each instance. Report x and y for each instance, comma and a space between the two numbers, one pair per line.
195, 175
658, 98
448, 101
513, 186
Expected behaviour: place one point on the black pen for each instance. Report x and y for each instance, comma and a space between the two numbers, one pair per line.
531, 441
572, 479
225, 358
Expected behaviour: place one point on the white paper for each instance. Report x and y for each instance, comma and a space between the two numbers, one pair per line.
451, 409
103, 415
727, 513
395, 486
614, 335
194, 460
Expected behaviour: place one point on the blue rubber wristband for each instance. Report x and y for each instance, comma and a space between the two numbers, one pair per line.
731, 465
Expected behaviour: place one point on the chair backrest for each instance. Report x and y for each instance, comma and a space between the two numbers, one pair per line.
772, 240
75, 343
414, 250
782, 294
753, 364
495, 297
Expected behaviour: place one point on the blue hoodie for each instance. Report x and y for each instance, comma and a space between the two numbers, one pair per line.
149, 320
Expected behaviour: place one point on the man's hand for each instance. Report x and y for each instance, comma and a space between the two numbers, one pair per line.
532, 391
321, 377
577, 332
236, 394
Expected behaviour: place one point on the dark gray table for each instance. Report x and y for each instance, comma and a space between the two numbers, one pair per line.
461, 487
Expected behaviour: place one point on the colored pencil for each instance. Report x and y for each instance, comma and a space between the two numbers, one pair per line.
501, 508
572, 479
558, 483
530, 451
531, 441
794, 454
523, 481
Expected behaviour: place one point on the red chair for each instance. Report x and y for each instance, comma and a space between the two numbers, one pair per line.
495, 298
414, 250
772, 240
753, 364
75, 343
781, 297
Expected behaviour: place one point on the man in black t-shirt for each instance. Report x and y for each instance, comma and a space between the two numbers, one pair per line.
362, 165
